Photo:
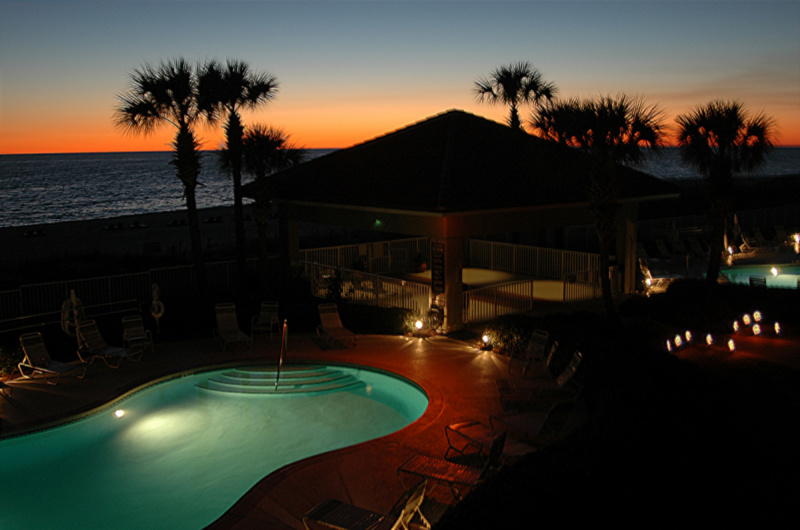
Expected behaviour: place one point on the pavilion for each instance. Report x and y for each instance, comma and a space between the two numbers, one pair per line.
453, 176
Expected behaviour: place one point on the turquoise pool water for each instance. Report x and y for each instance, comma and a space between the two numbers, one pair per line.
181, 455
786, 278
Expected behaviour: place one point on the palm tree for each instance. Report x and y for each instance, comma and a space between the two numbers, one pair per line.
226, 91
514, 85
266, 150
721, 139
614, 132
168, 95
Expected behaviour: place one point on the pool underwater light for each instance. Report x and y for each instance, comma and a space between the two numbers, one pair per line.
774, 271
119, 413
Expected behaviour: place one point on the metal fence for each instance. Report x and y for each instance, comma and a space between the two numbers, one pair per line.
365, 288
377, 257
534, 261
37, 303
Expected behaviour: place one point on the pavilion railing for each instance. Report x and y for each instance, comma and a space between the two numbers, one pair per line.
366, 288
534, 261
376, 257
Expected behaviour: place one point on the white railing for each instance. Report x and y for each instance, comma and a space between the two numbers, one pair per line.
367, 289
377, 257
585, 285
536, 261
490, 302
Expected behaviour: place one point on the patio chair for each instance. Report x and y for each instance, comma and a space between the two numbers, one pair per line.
134, 334
227, 331
472, 437
535, 427
92, 345
330, 327
656, 282
37, 359
562, 388
453, 474
343, 516
534, 353
266, 320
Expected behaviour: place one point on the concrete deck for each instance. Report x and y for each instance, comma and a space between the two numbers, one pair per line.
459, 380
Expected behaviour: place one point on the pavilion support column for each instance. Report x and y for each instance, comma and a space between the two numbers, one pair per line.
288, 234
453, 290
626, 247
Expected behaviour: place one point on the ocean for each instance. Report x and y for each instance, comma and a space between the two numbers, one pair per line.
52, 188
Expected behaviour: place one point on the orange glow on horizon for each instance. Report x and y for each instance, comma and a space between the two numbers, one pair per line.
311, 128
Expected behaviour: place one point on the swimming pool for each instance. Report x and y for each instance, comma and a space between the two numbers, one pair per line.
784, 276
180, 455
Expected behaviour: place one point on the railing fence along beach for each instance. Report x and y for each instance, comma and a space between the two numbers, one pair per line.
364, 272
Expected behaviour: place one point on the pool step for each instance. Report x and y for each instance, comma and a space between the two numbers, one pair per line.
293, 380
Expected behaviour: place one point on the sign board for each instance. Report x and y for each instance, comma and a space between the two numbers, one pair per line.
437, 266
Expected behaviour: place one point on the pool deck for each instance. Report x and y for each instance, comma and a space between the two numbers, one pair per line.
459, 380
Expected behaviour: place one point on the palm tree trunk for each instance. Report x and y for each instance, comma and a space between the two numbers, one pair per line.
717, 236
235, 131
262, 219
187, 162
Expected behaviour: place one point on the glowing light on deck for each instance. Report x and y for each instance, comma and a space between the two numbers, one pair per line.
746, 319
418, 325
709, 339
731, 345
736, 326
688, 336
678, 341
757, 316
756, 329
777, 328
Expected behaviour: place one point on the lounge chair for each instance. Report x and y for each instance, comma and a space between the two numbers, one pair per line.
562, 388
37, 359
453, 474
266, 320
93, 346
227, 331
534, 355
475, 438
4, 387
330, 327
343, 516
134, 334
536, 427
657, 282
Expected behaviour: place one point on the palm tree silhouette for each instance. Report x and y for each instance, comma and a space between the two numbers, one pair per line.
266, 150
721, 139
514, 85
613, 131
224, 92
168, 95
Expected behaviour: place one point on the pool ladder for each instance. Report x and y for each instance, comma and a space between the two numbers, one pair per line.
284, 341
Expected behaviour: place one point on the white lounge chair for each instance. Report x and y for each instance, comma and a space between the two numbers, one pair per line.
535, 353
343, 516
227, 331
266, 320
331, 328
134, 334
93, 346
37, 359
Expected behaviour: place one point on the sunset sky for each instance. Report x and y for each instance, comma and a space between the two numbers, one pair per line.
352, 70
